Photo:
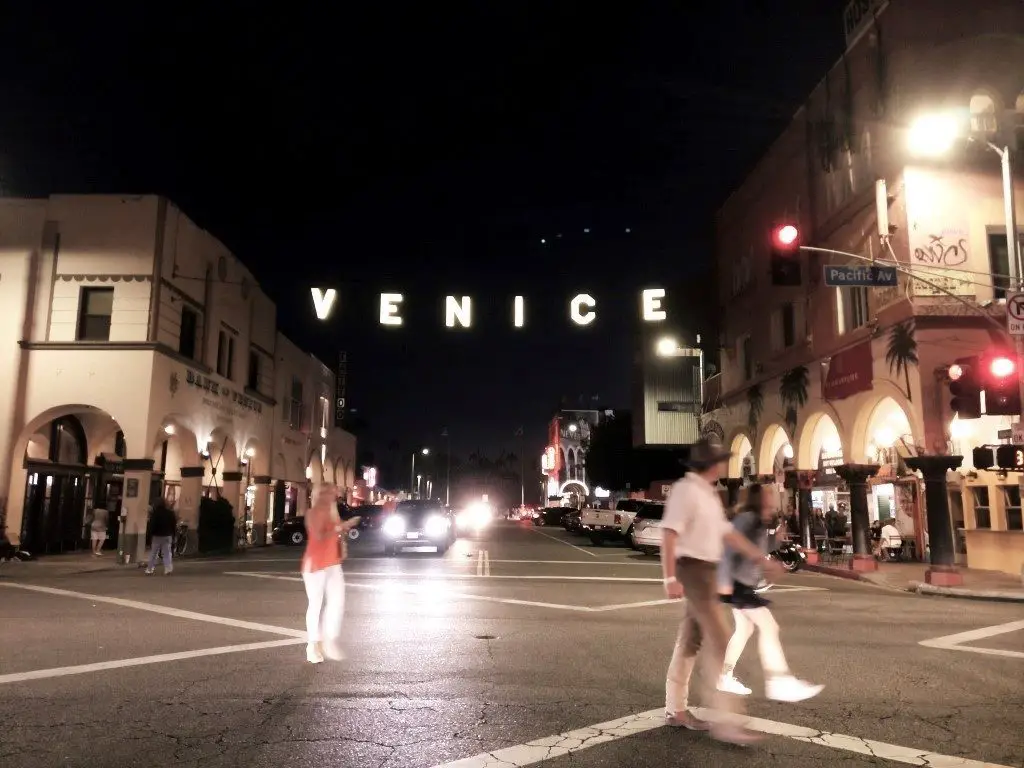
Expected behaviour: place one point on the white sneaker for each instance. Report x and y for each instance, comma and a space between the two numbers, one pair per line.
729, 684
790, 689
313, 655
149, 570
333, 651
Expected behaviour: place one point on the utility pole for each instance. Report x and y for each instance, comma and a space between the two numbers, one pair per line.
448, 467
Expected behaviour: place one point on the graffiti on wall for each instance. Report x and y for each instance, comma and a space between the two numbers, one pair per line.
940, 257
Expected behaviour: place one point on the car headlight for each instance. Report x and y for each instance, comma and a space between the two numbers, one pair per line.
394, 526
436, 525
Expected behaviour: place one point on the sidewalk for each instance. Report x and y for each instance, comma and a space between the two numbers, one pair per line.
75, 563
910, 577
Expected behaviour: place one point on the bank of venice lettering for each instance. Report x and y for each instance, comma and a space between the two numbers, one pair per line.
207, 384
458, 310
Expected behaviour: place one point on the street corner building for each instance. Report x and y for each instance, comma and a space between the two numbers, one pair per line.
142, 361
816, 380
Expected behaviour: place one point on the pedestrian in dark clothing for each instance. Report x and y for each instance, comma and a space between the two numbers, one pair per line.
163, 525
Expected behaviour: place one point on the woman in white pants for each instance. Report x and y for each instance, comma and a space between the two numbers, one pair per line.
321, 573
737, 581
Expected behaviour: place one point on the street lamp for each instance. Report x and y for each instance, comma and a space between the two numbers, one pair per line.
933, 136
412, 474
667, 347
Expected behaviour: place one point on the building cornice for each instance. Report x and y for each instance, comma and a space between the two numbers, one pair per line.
134, 346
105, 278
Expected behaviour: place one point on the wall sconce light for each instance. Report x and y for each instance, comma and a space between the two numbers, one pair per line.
250, 452
168, 429
309, 473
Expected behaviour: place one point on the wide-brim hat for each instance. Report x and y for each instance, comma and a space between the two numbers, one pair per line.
706, 453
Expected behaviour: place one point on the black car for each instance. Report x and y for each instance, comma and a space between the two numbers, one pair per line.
418, 523
549, 516
371, 517
291, 530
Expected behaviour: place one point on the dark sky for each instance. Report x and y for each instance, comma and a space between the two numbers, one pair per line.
427, 148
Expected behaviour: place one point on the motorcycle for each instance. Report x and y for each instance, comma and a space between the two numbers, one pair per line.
789, 555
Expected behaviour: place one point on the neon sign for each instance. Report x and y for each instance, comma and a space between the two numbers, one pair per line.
458, 310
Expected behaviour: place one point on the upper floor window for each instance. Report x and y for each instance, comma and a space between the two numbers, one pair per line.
294, 409
784, 327
226, 353
999, 261
97, 305
325, 410
741, 274
189, 329
252, 380
747, 357
851, 308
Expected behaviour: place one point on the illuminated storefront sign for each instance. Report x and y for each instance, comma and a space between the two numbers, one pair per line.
458, 310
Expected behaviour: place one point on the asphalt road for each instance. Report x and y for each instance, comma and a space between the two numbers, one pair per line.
518, 636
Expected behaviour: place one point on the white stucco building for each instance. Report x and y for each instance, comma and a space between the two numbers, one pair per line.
142, 359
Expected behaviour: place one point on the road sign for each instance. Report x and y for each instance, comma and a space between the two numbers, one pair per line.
839, 276
1005, 434
1015, 314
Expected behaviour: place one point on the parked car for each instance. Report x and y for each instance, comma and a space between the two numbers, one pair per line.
603, 525
571, 520
549, 516
371, 518
645, 533
291, 530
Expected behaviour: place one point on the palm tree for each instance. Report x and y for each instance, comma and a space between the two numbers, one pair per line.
793, 393
902, 351
755, 405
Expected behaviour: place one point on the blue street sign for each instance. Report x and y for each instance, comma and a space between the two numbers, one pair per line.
837, 276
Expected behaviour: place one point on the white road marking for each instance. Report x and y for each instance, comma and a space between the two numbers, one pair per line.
562, 541
103, 666
153, 608
956, 642
483, 564
575, 741
420, 589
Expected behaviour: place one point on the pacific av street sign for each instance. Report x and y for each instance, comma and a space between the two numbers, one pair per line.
872, 276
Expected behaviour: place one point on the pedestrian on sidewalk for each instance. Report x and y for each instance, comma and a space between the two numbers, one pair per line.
738, 580
98, 529
163, 523
694, 535
322, 576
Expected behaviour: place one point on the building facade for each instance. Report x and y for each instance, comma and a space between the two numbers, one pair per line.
144, 362
563, 463
815, 376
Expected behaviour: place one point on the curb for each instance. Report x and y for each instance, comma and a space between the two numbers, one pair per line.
920, 588
967, 594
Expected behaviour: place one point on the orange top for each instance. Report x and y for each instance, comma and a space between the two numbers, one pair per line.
321, 552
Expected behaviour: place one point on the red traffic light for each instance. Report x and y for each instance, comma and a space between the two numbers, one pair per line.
1001, 367
786, 235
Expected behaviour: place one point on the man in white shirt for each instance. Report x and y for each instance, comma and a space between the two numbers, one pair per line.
695, 532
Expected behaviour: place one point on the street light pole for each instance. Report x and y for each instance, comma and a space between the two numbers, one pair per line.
1013, 254
412, 475
448, 470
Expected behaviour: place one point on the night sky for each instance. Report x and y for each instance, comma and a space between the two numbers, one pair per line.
427, 149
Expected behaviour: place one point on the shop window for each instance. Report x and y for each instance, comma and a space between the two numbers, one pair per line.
189, 328
982, 510
999, 261
94, 314
1014, 520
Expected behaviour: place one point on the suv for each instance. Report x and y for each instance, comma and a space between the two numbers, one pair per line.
417, 523
645, 533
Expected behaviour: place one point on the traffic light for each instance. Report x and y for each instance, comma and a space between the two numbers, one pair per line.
1002, 385
965, 386
785, 256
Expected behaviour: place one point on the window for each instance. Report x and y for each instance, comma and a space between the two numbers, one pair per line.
324, 411
999, 261
97, 305
226, 354
294, 410
252, 381
982, 510
189, 326
1014, 520
747, 358
851, 308
784, 327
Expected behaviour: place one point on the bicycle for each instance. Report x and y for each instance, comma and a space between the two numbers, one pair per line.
181, 539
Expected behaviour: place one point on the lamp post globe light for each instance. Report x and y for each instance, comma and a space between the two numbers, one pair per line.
413, 485
666, 347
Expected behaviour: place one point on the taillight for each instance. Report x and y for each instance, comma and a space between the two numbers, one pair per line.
618, 519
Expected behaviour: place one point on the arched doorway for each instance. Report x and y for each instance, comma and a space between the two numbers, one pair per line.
575, 491
821, 449
175, 448
742, 463
72, 464
776, 454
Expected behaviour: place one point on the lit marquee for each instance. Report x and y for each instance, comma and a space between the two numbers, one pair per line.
458, 310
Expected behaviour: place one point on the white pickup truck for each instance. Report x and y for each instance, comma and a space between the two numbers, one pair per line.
602, 525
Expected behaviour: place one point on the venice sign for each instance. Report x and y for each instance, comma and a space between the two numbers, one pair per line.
458, 310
